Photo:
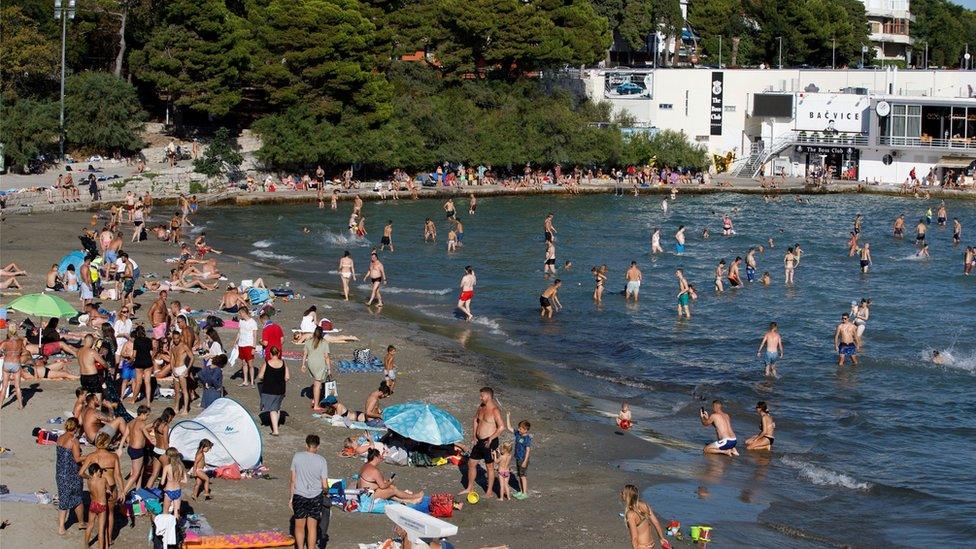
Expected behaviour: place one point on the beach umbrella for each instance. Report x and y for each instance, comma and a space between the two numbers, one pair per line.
424, 423
43, 306
75, 258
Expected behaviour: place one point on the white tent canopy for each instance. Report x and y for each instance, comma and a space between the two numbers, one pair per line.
235, 436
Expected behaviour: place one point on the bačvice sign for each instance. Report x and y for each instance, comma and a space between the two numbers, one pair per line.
830, 112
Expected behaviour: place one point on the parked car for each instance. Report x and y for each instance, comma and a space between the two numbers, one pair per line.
629, 88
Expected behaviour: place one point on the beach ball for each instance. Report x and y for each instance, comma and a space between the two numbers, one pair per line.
473, 498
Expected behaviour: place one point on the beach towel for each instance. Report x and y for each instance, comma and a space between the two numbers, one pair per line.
36, 498
337, 421
258, 296
268, 538
374, 366
368, 504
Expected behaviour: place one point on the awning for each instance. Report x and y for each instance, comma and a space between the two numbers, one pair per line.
955, 161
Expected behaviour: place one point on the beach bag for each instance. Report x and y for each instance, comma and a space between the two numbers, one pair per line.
229, 472
396, 456
420, 459
442, 505
330, 388
361, 357
326, 325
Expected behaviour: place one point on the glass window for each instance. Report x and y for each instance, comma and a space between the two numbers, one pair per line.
897, 109
898, 126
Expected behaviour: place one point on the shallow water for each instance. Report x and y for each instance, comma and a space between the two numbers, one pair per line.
876, 454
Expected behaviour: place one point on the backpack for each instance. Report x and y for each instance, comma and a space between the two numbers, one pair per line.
442, 505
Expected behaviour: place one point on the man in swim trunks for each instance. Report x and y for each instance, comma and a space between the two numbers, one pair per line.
846, 340
684, 295
679, 238
449, 210
487, 427
723, 429
920, 230
774, 349
231, 301
137, 441
376, 274
734, 280
159, 315
899, 227
468, 282
865, 257
943, 215
549, 300
956, 231
387, 240
751, 265
633, 276
90, 366
548, 230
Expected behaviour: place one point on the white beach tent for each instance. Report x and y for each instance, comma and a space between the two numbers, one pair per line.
235, 436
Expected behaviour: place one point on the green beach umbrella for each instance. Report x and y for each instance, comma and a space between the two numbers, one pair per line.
43, 306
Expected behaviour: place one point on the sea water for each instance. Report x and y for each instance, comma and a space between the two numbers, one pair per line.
875, 454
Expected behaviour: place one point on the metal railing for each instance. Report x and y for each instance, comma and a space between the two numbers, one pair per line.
838, 139
966, 144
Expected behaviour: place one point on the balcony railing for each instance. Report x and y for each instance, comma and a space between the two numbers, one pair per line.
959, 143
827, 138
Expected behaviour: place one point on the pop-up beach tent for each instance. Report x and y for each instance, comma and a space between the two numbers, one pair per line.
235, 436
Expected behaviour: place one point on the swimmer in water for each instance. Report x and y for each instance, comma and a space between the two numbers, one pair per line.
704, 233
846, 340
942, 215
789, 265
938, 358
751, 265
600, 276
865, 258
968, 260
773, 344
656, 242
920, 231
858, 220
861, 313
852, 245
765, 279
770, 242
727, 226
720, 276
898, 229
734, 280
664, 206
679, 237
549, 300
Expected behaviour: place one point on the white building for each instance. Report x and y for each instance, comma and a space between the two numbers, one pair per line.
870, 125
889, 22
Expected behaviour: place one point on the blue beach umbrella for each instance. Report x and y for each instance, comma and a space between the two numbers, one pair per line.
424, 423
75, 258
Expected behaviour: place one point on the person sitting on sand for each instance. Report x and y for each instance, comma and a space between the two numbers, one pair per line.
94, 422
624, 420
232, 301
310, 321
372, 481
373, 410
767, 429
723, 428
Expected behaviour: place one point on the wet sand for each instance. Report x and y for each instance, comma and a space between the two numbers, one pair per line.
573, 478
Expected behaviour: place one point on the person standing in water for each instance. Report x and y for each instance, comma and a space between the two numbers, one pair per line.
751, 265
347, 272
633, 278
858, 220
942, 215
685, 294
773, 345
720, 276
549, 300
767, 430
920, 231
734, 280
376, 275
656, 242
865, 258
679, 237
387, 239
600, 275
956, 231
898, 229
548, 230
468, 282
472, 205
861, 313
846, 340
723, 430
430, 230
664, 206
640, 518
449, 210
789, 265
727, 226
549, 267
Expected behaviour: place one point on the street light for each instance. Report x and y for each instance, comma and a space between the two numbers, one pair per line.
780, 38
864, 49
63, 12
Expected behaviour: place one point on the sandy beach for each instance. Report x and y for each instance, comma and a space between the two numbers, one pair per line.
573, 488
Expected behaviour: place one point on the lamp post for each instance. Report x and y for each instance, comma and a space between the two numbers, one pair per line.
967, 57
63, 12
864, 49
780, 39
926, 60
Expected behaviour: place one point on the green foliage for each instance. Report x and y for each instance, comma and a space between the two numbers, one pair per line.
196, 57
198, 188
946, 28
666, 148
102, 113
641, 18
28, 128
221, 157
29, 59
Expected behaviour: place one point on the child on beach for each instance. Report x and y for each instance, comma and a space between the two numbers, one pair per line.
174, 475
624, 420
523, 447
98, 488
389, 366
202, 482
502, 462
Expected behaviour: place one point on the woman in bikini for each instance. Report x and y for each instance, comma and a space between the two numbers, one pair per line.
339, 409
347, 272
13, 351
767, 430
640, 517
600, 274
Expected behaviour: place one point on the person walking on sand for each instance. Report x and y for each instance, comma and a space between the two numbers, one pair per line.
376, 275
317, 359
640, 518
723, 430
347, 272
633, 278
468, 282
846, 340
487, 426
309, 479
273, 377
773, 344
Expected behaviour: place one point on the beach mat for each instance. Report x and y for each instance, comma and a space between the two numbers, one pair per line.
375, 366
343, 422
